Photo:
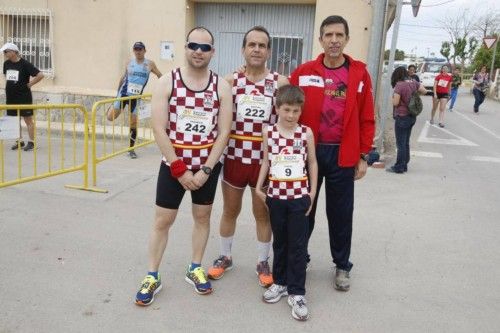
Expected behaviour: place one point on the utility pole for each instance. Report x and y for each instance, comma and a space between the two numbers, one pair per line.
492, 69
386, 84
376, 37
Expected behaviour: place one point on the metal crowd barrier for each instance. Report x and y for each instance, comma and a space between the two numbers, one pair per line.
112, 136
54, 154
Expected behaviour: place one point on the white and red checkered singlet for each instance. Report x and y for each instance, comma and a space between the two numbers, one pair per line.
287, 158
245, 141
192, 126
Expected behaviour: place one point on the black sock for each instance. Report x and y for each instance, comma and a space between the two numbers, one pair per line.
133, 136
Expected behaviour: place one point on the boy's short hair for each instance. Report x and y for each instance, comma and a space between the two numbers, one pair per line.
289, 94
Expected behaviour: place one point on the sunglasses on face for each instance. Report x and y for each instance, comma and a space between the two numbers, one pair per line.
138, 49
203, 47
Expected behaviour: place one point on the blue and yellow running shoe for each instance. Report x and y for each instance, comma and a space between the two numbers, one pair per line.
198, 279
149, 288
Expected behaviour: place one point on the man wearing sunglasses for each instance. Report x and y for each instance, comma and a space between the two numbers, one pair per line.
191, 114
132, 83
20, 76
254, 93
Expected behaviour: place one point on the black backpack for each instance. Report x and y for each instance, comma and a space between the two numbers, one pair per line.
415, 106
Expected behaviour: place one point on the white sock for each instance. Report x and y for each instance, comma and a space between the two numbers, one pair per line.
225, 246
263, 250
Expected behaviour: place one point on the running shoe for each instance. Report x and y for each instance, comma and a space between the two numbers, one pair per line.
149, 288
132, 154
299, 307
220, 266
17, 145
198, 279
29, 146
341, 281
274, 293
264, 273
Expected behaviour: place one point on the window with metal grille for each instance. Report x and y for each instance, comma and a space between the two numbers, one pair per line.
31, 31
286, 54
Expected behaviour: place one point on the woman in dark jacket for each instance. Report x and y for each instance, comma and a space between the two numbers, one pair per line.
403, 89
481, 83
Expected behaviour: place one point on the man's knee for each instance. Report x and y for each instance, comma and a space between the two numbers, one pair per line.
201, 214
164, 218
28, 120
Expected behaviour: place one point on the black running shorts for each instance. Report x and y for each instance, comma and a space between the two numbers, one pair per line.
169, 191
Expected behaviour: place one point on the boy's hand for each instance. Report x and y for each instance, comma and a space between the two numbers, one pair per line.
312, 195
261, 195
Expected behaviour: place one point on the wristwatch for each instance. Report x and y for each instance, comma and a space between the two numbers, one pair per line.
206, 170
364, 157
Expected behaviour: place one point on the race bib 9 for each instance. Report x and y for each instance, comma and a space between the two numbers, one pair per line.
289, 166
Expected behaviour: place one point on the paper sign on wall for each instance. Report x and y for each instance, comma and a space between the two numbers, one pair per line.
144, 110
166, 50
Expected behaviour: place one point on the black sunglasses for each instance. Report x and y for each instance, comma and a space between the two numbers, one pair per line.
138, 48
203, 47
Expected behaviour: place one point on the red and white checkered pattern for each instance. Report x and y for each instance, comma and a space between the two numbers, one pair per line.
246, 151
276, 144
205, 101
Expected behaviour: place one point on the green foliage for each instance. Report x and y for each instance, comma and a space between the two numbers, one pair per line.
484, 56
399, 55
445, 50
460, 50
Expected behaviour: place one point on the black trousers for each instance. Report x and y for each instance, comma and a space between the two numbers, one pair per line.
339, 188
290, 227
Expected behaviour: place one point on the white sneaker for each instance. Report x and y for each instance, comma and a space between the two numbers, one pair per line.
299, 307
274, 293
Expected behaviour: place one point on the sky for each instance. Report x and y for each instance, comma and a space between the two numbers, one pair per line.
423, 34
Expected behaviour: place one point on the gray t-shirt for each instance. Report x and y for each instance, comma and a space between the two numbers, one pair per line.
404, 89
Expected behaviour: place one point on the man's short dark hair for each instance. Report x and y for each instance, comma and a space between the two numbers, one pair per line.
200, 28
333, 19
412, 66
289, 94
260, 29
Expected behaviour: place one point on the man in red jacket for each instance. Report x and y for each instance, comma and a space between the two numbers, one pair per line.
339, 110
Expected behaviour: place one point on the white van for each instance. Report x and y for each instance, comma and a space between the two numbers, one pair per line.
428, 70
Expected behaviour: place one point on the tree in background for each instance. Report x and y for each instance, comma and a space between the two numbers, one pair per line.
446, 50
465, 50
488, 24
462, 44
484, 56
399, 55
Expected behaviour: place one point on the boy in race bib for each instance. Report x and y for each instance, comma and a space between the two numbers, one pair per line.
288, 147
132, 83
